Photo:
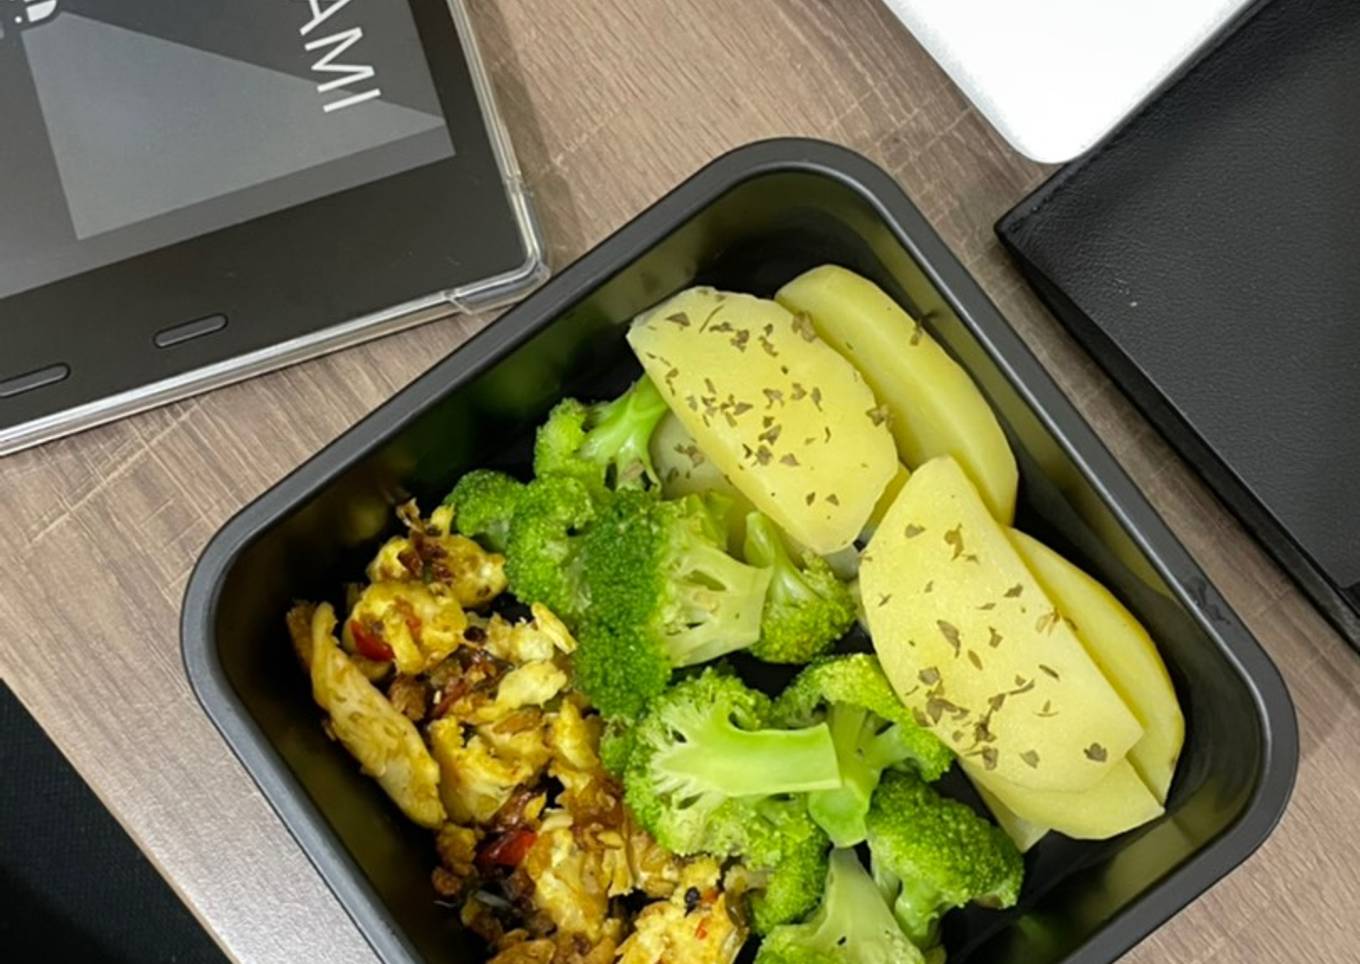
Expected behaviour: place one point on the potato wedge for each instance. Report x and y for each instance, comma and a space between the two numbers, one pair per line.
386, 743
791, 423
1125, 653
1022, 833
971, 642
936, 409
1119, 802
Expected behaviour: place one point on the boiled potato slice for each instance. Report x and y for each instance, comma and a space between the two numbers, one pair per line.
1119, 802
791, 423
684, 469
1125, 653
971, 642
386, 743
936, 409
1022, 833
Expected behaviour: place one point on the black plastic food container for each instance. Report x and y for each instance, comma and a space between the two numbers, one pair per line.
750, 221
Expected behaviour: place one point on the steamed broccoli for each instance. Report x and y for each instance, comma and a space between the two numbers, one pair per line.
605, 445
616, 746
484, 502
543, 550
705, 775
853, 925
872, 731
787, 851
808, 608
930, 855
663, 594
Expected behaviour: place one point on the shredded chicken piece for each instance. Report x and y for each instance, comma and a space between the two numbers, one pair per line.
655, 870
694, 925
420, 626
457, 848
385, 743
542, 638
588, 792
570, 883
475, 781
532, 684
520, 738
409, 696
429, 554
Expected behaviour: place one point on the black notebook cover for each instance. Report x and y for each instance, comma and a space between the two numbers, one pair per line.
1208, 254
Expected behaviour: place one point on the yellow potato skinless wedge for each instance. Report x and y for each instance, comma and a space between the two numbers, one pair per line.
1022, 833
385, 742
788, 421
1117, 803
936, 409
973, 645
1125, 653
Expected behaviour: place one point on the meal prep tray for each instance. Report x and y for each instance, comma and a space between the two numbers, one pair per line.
750, 221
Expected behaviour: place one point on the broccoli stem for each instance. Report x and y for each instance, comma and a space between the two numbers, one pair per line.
718, 756
853, 907
765, 547
620, 432
916, 906
718, 604
840, 811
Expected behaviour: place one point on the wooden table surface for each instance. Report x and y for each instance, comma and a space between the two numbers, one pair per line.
611, 103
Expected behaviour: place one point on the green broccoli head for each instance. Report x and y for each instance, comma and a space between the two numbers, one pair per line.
616, 746
702, 744
788, 850
853, 925
606, 445
931, 854
483, 503
872, 731
706, 775
664, 594
808, 609
543, 549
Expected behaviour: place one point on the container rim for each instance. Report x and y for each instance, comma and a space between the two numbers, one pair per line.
1162, 900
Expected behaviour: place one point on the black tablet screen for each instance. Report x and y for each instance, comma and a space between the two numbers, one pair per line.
130, 125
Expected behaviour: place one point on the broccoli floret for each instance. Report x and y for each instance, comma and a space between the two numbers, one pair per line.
543, 551
872, 731
616, 746
705, 775
703, 743
931, 854
808, 609
484, 502
606, 445
853, 925
663, 594
788, 850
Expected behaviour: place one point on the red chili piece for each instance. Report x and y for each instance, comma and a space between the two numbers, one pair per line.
369, 645
507, 850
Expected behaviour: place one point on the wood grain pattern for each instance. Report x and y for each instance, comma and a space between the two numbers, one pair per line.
611, 103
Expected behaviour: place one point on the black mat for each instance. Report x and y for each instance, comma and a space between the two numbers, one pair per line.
73, 885
1208, 254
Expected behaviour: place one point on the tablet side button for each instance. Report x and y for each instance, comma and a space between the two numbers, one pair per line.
33, 380
178, 334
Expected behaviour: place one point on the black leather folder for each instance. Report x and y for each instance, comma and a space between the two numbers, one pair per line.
1208, 254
